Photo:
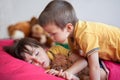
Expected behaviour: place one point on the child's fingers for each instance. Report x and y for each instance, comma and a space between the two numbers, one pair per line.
69, 76
61, 73
52, 72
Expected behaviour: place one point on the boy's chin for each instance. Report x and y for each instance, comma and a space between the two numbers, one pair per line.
64, 41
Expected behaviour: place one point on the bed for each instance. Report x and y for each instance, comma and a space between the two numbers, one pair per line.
15, 69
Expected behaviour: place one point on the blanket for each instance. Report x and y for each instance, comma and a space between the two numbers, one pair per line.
112, 69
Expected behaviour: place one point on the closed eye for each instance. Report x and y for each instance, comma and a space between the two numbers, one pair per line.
37, 53
53, 33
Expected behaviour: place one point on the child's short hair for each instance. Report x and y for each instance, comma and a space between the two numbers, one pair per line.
58, 12
19, 47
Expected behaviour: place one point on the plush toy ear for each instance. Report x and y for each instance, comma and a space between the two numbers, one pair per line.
10, 28
33, 21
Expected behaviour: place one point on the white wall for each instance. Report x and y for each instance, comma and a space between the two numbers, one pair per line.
12, 11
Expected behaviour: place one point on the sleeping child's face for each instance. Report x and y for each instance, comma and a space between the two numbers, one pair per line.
37, 56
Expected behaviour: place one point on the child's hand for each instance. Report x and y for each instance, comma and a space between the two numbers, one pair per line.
62, 74
52, 72
69, 76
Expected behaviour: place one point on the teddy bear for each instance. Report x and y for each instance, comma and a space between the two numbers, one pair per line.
30, 29
63, 62
38, 33
21, 29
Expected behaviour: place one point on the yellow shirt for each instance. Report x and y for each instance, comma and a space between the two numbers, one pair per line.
92, 36
57, 50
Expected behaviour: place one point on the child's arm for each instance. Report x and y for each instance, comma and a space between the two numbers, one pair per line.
77, 66
94, 68
69, 73
62, 74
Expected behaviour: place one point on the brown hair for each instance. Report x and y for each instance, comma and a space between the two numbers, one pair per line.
58, 12
19, 48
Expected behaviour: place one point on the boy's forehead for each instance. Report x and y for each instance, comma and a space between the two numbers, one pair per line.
51, 27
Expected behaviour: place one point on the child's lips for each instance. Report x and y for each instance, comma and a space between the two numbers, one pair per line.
40, 64
44, 64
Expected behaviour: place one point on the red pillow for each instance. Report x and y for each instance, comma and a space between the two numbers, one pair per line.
6, 42
15, 69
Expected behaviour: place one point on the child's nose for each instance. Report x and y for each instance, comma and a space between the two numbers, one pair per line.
36, 62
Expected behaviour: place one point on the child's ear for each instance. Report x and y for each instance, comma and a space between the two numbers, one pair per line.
69, 27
